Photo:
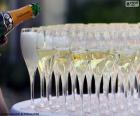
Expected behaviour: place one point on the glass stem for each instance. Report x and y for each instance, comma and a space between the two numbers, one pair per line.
64, 93
65, 87
32, 93
32, 87
89, 92
113, 88
81, 81
41, 80
89, 79
41, 86
73, 91
81, 95
138, 95
73, 82
49, 88
98, 95
97, 87
107, 91
106, 87
126, 99
73, 95
138, 90
57, 77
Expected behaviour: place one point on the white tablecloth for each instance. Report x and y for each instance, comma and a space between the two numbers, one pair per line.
23, 108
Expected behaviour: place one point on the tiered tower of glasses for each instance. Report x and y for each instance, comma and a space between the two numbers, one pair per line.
85, 51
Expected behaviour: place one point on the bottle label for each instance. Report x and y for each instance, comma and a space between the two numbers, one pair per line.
8, 22
2, 26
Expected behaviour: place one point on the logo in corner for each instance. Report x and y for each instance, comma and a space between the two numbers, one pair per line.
132, 3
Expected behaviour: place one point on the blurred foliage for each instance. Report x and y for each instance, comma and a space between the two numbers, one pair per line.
103, 11
3, 5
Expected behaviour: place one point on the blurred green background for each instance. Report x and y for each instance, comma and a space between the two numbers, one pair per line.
14, 78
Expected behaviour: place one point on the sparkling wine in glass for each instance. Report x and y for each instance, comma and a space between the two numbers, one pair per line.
28, 47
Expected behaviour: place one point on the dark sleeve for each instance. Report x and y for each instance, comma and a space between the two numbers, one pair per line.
3, 40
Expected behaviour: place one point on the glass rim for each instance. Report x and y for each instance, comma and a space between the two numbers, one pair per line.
32, 29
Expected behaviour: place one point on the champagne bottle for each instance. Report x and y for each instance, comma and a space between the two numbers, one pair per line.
10, 19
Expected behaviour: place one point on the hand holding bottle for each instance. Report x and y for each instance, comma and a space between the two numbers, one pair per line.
10, 19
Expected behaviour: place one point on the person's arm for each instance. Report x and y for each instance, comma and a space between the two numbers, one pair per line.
3, 107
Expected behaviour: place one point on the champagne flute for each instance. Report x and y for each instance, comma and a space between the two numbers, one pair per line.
63, 60
134, 44
79, 60
110, 69
44, 47
71, 29
40, 43
90, 45
49, 60
51, 35
28, 48
125, 67
96, 61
